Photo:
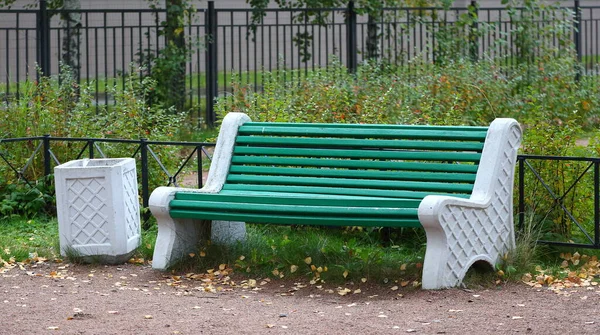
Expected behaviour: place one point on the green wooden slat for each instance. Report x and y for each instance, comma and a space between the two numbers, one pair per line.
237, 207
356, 125
325, 142
363, 174
352, 183
297, 199
296, 219
365, 133
336, 190
362, 154
355, 164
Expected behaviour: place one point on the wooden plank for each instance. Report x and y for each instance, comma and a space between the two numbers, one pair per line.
336, 190
296, 219
325, 211
298, 199
328, 142
351, 183
363, 174
365, 133
355, 164
361, 154
362, 125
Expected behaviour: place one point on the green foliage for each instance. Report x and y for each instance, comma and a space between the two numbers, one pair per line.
167, 68
460, 92
553, 107
58, 106
22, 199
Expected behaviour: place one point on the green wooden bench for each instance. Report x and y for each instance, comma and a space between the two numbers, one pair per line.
455, 181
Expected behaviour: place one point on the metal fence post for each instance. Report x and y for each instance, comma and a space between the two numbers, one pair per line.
43, 38
351, 38
199, 166
91, 148
597, 203
212, 69
577, 36
521, 193
144, 164
47, 158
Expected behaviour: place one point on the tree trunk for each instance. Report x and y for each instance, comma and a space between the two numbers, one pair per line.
175, 39
71, 21
373, 47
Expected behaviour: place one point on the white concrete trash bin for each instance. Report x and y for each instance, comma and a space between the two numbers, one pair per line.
98, 209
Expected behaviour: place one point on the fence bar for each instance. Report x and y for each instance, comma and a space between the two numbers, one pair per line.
43, 38
47, 158
212, 63
145, 174
199, 166
597, 204
521, 193
351, 39
91, 148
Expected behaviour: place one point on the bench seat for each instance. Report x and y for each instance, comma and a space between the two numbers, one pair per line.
353, 175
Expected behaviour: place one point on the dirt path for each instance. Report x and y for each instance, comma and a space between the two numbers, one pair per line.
129, 299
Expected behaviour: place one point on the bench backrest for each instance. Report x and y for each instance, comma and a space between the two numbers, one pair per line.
397, 161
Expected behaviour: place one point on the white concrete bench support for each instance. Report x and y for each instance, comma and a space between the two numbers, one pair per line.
461, 232
179, 237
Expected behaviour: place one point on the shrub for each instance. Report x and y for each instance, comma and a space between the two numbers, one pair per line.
554, 108
60, 107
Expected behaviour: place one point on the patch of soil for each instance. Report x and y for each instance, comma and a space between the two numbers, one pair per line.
130, 299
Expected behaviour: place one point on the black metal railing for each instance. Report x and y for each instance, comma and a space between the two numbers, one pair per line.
225, 45
560, 195
42, 154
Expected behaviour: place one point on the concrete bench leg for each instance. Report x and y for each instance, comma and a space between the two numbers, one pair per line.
179, 237
461, 236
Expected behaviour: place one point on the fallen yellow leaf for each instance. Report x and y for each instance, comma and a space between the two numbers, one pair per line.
308, 260
293, 268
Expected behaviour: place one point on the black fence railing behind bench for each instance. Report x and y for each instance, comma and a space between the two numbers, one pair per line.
559, 198
42, 154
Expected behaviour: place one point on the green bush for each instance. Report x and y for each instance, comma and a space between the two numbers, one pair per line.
554, 108
58, 106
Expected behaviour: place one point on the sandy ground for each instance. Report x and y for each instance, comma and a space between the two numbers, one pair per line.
134, 299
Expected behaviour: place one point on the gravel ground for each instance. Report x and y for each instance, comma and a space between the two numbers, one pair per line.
134, 299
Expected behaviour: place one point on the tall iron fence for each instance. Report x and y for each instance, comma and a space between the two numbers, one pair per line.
225, 45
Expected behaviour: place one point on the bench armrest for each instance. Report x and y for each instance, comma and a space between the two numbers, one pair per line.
460, 231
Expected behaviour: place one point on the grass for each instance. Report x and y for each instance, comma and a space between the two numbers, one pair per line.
323, 254
317, 253
21, 238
